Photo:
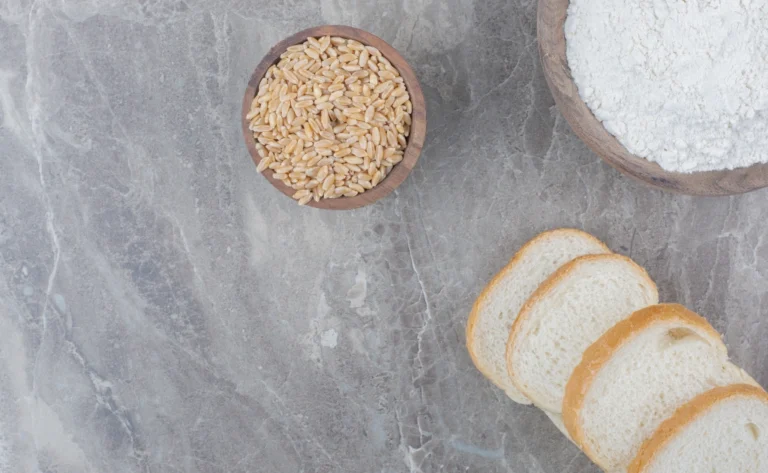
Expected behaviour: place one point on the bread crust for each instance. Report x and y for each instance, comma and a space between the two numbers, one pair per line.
474, 315
543, 291
687, 414
603, 350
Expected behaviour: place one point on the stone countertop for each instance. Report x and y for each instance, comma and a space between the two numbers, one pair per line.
163, 309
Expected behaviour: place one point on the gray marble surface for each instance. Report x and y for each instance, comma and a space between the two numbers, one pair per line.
163, 309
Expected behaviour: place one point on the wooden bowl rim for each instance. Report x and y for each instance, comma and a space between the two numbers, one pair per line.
418, 116
551, 15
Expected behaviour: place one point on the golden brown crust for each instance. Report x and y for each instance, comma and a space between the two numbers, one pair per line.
687, 414
602, 350
480, 301
544, 289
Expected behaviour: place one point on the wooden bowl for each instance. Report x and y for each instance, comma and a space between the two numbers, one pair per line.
418, 116
550, 19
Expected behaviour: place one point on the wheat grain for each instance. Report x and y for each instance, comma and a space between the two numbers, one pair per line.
330, 119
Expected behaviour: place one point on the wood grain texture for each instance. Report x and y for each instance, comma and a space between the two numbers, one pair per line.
551, 16
418, 117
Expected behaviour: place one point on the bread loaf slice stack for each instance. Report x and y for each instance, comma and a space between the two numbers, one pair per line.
497, 307
630, 381
663, 356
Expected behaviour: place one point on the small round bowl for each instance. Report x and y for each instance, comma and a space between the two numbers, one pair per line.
418, 116
551, 16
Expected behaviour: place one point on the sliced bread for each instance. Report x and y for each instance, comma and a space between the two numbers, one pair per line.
565, 315
724, 430
499, 303
636, 375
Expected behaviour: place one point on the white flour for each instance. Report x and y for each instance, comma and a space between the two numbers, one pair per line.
680, 82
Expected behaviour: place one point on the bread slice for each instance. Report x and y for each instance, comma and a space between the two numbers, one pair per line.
636, 375
724, 430
566, 314
499, 303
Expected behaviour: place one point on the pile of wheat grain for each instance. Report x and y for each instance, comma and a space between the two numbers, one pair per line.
331, 118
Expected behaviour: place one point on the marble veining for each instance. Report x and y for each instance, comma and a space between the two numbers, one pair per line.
163, 309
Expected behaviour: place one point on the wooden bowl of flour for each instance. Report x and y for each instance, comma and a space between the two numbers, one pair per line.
551, 35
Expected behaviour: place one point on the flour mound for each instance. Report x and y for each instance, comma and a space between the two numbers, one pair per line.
683, 83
